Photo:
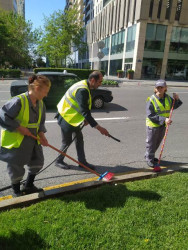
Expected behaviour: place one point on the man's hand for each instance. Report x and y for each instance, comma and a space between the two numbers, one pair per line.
23, 130
175, 96
168, 121
42, 139
85, 123
102, 130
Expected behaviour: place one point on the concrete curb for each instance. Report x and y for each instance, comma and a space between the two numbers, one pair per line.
50, 192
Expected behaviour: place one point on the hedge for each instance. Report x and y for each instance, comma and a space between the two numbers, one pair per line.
81, 73
10, 73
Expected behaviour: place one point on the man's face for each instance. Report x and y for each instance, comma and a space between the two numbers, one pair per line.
95, 84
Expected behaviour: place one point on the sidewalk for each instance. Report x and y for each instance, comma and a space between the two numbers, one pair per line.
127, 82
8, 202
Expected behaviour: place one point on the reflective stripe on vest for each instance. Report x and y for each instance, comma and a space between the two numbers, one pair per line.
159, 109
68, 106
14, 139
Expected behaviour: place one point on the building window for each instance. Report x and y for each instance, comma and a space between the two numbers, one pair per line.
151, 8
131, 38
177, 70
114, 66
178, 10
118, 42
105, 2
151, 68
159, 9
107, 46
168, 9
155, 37
179, 40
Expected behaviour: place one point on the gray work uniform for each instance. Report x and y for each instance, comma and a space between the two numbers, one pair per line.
29, 153
67, 130
154, 135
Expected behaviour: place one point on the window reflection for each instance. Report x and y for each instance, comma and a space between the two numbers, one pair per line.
131, 38
155, 37
177, 70
118, 42
179, 40
151, 68
107, 46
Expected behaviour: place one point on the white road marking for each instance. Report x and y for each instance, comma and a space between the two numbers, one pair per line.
99, 119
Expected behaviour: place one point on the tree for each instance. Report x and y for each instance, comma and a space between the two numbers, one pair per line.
16, 38
63, 30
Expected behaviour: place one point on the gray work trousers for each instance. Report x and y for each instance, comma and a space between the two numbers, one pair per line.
16, 172
154, 136
79, 142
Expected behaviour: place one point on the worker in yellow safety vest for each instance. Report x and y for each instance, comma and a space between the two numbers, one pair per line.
74, 109
21, 117
158, 108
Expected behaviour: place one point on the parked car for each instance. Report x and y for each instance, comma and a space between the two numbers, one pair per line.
61, 81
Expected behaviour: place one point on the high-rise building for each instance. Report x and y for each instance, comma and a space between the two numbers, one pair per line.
8, 5
148, 36
98, 6
88, 10
21, 7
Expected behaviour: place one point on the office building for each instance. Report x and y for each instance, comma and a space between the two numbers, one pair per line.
8, 5
21, 7
148, 36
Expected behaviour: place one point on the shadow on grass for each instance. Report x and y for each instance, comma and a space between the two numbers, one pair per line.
28, 240
110, 196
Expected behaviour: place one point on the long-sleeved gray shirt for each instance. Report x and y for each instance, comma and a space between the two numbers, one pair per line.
151, 114
11, 109
29, 148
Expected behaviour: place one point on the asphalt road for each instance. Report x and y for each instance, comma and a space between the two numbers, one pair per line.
125, 119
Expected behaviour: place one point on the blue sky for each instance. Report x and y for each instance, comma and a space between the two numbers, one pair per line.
36, 9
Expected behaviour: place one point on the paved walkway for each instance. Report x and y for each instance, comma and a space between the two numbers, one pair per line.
8, 202
126, 82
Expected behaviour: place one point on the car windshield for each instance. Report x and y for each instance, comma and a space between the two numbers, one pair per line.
63, 81
70, 80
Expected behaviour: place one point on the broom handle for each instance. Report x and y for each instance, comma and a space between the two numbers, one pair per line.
64, 154
114, 138
166, 132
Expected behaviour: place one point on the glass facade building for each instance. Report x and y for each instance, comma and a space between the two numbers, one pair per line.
150, 37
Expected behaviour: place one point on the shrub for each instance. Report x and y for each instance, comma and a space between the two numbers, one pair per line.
120, 71
10, 73
81, 73
130, 71
110, 82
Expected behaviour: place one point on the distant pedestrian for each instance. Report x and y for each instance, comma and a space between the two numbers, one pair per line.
158, 108
20, 117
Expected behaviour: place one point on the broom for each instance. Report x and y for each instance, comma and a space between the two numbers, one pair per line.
107, 176
157, 167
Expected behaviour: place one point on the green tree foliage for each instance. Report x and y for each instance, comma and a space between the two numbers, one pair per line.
63, 29
16, 38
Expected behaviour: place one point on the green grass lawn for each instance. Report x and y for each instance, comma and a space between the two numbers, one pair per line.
147, 214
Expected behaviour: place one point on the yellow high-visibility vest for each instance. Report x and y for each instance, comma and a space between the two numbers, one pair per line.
14, 139
68, 106
159, 109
